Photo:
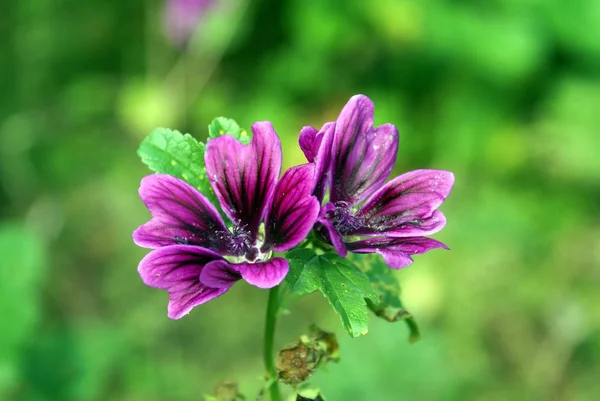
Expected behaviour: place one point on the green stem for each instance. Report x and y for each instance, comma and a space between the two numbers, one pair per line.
271, 320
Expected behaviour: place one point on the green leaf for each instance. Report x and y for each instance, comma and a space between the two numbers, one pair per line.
388, 305
222, 126
316, 397
170, 152
343, 284
299, 279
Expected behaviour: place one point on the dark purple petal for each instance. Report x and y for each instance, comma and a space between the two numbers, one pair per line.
293, 211
219, 274
183, 16
180, 215
177, 269
264, 274
406, 206
396, 252
415, 227
328, 231
323, 160
363, 156
309, 143
316, 146
244, 176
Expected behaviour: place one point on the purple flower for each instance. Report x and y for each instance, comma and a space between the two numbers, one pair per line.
363, 214
183, 16
196, 257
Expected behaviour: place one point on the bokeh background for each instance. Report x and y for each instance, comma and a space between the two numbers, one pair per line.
504, 93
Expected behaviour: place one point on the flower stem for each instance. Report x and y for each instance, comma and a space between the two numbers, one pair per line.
270, 322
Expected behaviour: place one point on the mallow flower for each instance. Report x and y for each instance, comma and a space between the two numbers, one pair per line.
363, 214
197, 256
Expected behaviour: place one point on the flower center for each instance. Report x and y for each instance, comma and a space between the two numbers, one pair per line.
239, 241
239, 246
343, 218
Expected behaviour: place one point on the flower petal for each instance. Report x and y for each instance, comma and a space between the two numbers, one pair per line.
396, 252
406, 206
219, 274
264, 274
323, 157
244, 176
180, 215
316, 146
293, 211
309, 143
177, 269
363, 156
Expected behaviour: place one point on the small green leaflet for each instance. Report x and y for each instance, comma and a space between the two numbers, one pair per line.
170, 152
343, 284
221, 126
388, 305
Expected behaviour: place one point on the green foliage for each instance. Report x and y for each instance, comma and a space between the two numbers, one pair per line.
223, 126
22, 271
169, 152
343, 284
312, 397
385, 283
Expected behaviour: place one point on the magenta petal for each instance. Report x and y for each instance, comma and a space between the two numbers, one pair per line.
264, 274
244, 176
316, 146
363, 156
415, 227
180, 215
293, 211
177, 269
308, 142
323, 159
219, 274
395, 259
396, 252
406, 206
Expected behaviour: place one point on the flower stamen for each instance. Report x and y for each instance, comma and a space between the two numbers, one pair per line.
343, 219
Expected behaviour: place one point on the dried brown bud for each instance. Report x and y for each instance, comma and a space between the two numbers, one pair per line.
295, 363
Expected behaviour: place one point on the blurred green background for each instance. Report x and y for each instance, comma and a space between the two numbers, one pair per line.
504, 93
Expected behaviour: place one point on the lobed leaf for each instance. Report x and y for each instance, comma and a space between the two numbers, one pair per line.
343, 284
388, 305
170, 152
